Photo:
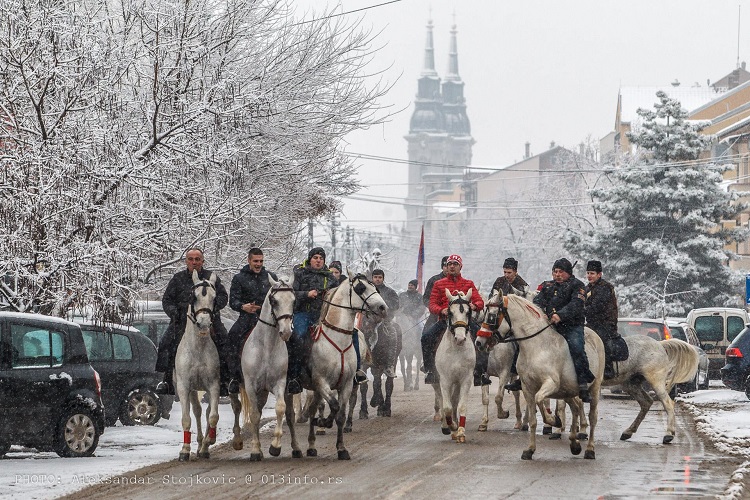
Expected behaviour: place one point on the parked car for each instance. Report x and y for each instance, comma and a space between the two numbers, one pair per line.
50, 396
716, 328
657, 329
150, 319
126, 362
736, 372
686, 333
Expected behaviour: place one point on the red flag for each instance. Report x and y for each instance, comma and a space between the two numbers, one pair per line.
420, 261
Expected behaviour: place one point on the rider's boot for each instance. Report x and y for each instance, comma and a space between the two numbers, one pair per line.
293, 384
609, 369
480, 369
359, 376
428, 362
166, 386
513, 386
224, 380
583, 392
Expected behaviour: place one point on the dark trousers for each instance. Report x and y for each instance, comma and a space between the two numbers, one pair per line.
430, 336
171, 340
574, 337
237, 334
298, 342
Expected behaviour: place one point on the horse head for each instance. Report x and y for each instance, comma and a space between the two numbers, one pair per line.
201, 308
459, 313
280, 304
365, 297
495, 310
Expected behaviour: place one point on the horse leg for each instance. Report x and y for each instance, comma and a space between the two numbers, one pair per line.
186, 422
644, 400
237, 409
418, 358
593, 417
560, 415
363, 411
385, 408
528, 453
350, 412
501, 414
485, 413
299, 411
448, 425
275, 448
289, 399
321, 430
342, 452
212, 420
437, 406
546, 429
463, 396
522, 419
583, 423
197, 413
311, 450
407, 376
254, 414
667, 403
575, 410
377, 388
327, 395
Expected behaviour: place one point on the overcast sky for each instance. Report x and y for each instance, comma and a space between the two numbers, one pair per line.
536, 71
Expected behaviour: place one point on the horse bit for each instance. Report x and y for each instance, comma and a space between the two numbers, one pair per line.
273, 303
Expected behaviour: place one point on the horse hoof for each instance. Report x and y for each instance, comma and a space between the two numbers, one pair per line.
482, 428
312, 452
296, 453
546, 430
204, 454
667, 439
301, 420
527, 454
446, 430
237, 445
184, 457
525, 427
344, 455
320, 432
625, 436
348, 428
363, 415
582, 436
274, 451
503, 414
437, 418
589, 454
555, 436
558, 422
461, 439
575, 448
256, 457
328, 424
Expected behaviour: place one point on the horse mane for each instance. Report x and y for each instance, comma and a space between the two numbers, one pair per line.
526, 302
682, 367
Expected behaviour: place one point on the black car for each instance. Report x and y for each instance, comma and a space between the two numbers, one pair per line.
736, 372
50, 396
126, 360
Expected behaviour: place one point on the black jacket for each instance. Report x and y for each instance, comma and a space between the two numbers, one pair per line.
390, 297
601, 307
411, 304
306, 279
247, 287
564, 299
177, 298
503, 285
428, 288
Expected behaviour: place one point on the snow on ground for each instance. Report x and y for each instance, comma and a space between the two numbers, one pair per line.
27, 474
721, 415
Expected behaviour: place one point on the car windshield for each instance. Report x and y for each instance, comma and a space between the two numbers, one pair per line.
742, 336
678, 332
634, 327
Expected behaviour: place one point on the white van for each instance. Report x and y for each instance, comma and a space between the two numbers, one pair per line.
716, 328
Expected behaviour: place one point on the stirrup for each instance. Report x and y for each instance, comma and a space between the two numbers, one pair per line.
431, 378
293, 386
360, 377
234, 386
513, 386
583, 393
164, 388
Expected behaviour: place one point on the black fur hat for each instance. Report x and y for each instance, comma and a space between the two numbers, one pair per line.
564, 265
594, 265
316, 251
510, 263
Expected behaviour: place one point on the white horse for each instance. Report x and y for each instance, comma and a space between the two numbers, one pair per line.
546, 366
197, 367
332, 360
454, 362
264, 365
500, 362
411, 348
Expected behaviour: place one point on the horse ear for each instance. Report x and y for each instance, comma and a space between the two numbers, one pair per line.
196, 279
468, 294
448, 294
291, 281
272, 281
212, 278
348, 272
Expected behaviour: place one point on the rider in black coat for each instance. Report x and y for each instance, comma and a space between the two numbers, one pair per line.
246, 296
562, 300
175, 302
391, 300
601, 311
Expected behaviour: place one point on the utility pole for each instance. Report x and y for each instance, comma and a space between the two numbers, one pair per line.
310, 237
334, 225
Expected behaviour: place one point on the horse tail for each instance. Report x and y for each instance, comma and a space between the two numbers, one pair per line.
245, 405
683, 361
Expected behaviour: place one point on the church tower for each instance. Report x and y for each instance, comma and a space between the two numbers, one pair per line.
439, 132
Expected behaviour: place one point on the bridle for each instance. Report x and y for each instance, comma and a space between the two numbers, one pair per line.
493, 320
273, 303
192, 313
453, 325
358, 289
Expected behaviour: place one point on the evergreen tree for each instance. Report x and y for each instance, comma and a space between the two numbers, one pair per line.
662, 240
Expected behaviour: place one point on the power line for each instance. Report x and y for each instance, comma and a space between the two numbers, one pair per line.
345, 13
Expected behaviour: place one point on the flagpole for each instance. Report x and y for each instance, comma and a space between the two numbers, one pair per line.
420, 261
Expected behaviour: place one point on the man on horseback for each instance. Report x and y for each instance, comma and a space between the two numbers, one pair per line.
432, 319
411, 302
175, 302
439, 307
311, 281
246, 296
506, 283
601, 312
562, 299
337, 271
391, 300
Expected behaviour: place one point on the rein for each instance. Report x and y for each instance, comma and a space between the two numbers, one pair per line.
494, 324
273, 311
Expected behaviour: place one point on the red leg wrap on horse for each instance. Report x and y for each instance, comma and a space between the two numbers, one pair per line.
462, 421
448, 420
186, 437
212, 432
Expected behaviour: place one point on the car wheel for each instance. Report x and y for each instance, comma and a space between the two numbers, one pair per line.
77, 435
141, 408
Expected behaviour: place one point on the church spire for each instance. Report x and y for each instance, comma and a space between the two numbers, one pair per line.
429, 53
453, 55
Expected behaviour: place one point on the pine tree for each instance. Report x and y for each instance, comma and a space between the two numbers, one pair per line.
662, 241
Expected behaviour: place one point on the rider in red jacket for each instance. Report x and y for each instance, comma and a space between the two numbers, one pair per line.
439, 306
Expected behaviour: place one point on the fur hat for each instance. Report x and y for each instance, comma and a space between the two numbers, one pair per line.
414, 282
316, 251
335, 264
594, 265
510, 263
444, 261
455, 258
564, 265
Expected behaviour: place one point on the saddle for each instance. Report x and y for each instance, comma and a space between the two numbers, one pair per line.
618, 348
